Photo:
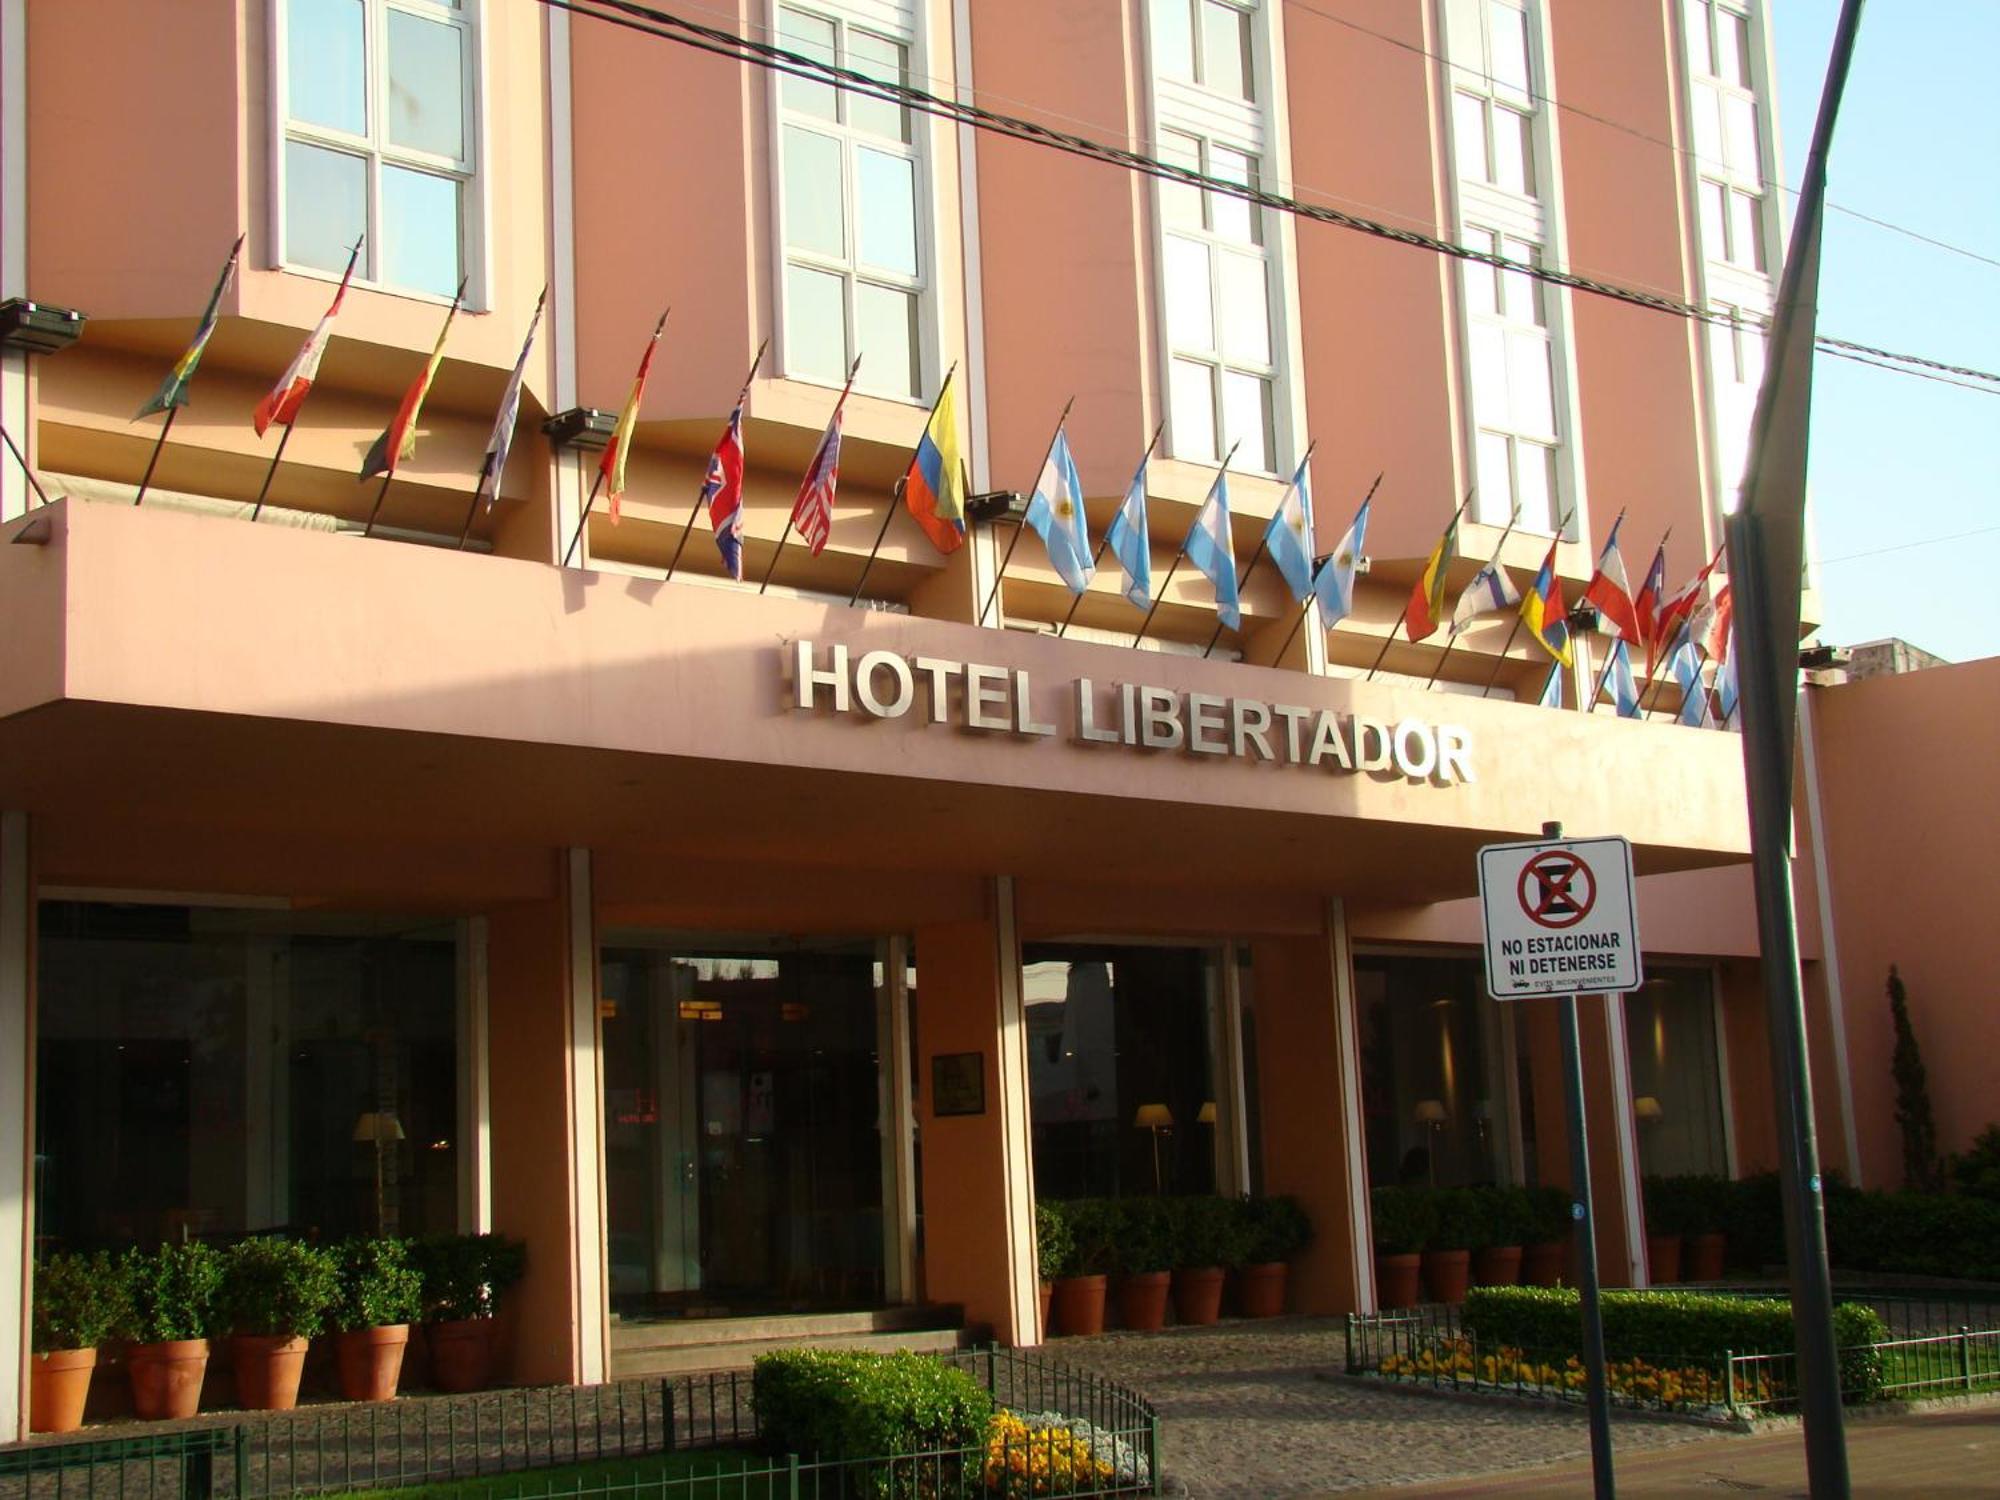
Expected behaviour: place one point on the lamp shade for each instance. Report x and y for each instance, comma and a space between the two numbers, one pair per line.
1431, 1112
1646, 1107
1206, 1115
378, 1126
1153, 1117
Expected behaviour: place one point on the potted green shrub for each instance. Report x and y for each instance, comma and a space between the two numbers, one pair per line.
1207, 1239
464, 1277
275, 1293
1078, 1303
378, 1296
1705, 1249
170, 1309
1547, 1249
1403, 1219
1052, 1242
1458, 1230
79, 1299
1666, 1221
1275, 1230
1145, 1254
1509, 1220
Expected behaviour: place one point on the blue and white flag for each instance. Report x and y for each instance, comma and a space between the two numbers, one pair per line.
1209, 548
1129, 542
1289, 537
1725, 685
1334, 587
1552, 690
1491, 589
1685, 664
1624, 691
1056, 511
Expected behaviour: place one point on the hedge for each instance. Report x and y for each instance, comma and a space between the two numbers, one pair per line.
1900, 1233
1671, 1326
846, 1404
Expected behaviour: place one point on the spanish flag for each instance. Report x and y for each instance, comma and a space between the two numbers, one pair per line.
1426, 607
173, 390
934, 487
1542, 610
399, 439
612, 466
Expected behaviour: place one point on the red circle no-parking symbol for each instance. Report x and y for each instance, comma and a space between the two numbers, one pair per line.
1556, 889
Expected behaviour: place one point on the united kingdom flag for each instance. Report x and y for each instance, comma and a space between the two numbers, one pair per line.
722, 492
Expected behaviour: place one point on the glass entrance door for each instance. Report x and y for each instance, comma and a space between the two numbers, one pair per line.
743, 1153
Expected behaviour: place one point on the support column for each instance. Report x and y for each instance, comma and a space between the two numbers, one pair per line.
17, 1122
1309, 1067
16, 404
1232, 1105
475, 1097
547, 1156
979, 1189
897, 1113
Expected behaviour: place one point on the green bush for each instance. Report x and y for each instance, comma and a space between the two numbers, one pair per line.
1457, 1221
1548, 1214
1670, 1327
79, 1299
1206, 1232
1975, 1171
378, 1287
1275, 1229
1914, 1234
1405, 1219
1052, 1240
1506, 1216
1093, 1234
1147, 1234
277, 1288
171, 1293
847, 1404
1688, 1204
465, 1275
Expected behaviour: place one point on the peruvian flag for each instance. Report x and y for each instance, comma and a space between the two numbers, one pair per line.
289, 394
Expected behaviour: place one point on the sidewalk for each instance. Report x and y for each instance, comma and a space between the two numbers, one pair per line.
1937, 1455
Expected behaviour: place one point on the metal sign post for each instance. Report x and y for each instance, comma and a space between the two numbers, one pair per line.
1560, 920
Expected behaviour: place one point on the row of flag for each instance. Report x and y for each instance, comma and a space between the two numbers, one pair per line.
1686, 629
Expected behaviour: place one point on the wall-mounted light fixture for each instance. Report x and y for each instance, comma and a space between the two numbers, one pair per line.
584, 428
37, 328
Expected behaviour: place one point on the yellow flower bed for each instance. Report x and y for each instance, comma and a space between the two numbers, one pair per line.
1634, 1379
1048, 1461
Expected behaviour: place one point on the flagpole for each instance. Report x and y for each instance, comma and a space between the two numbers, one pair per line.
1652, 697
270, 474
895, 493
786, 534
1146, 623
158, 443
1105, 540
584, 519
1659, 556
1022, 525
380, 495
694, 512
391, 450
33, 483
1312, 597
1263, 544
1390, 639
1451, 639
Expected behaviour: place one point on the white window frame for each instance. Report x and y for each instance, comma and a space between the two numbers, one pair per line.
903, 24
475, 216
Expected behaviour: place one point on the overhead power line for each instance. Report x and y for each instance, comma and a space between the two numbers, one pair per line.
721, 42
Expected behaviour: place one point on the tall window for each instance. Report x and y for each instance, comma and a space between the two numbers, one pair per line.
854, 190
1513, 385
1205, 42
379, 136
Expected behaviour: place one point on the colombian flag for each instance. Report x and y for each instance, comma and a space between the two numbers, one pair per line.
173, 390
399, 439
934, 487
1426, 607
1543, 613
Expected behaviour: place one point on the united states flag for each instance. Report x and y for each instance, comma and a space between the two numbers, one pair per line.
723, 493
812, 512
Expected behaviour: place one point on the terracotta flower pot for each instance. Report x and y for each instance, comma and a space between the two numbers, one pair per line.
1497, 1265
1663, 1258
462, 1354
1198, 1294
1260, 1290
1044, 1295
58, 1385
1703, 1256
370, 1361
166, 1378
1446, 1273
267, 1368
1542, 1265
1079, 1304
1142, 1299
1397, 1279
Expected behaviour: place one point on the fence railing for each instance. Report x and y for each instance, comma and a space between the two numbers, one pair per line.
1940, 1364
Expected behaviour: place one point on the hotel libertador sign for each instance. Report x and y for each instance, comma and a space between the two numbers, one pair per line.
1004, 700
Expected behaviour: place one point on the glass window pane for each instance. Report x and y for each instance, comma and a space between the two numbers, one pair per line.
1173, 39
324, 72
1714, 231
1695, 14
1232, 218
813, 209
1190, 300
426, 86
1180, 204
1746, 242
1535, 485
1489, 375
1468, 134
1492, 473
886, 226
420, 231
1482, 292
1739, 133
1530, 384
1246, 417
1732, 47
878, 57
1225, 49
1193, 395
1523, 294
1708, 126
815, 325
799, 32
1510, 45
1513, 151
1246, 309
885, 330
326, 205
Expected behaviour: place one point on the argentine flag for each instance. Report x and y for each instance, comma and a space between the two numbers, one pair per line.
1129, 542
1334, 587
1289, 537
1726, 692
1624, 691
1686, 667
1209, 548
1057, 513
1552, 690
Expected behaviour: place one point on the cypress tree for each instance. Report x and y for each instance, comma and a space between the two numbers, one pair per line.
1923, 1171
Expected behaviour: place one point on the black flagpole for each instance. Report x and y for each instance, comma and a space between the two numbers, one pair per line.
786, 535
153, 462
1451, 639
584, 519
270, 474
895, 493
694, 511
1390, 639
1105, 540
380, 495
1313, 598
1022, 525
1263, 543
1158, 599
1501, 660
33, 483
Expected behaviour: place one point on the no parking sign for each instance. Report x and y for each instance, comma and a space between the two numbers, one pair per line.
1561, 918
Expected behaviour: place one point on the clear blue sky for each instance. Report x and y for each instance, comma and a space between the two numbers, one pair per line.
1895, 460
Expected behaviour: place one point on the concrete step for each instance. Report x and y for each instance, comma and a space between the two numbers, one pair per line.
692, 1358
673, 1346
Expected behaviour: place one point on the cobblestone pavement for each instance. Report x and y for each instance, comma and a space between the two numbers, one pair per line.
1244, 1413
